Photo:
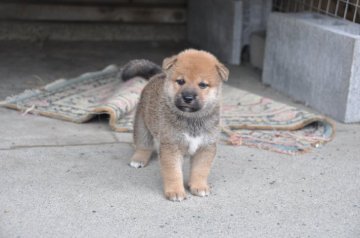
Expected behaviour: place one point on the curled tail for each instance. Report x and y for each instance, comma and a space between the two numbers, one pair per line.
140, 67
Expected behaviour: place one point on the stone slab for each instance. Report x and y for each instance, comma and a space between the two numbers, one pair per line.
315, 59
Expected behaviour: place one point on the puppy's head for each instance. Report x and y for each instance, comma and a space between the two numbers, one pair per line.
194, 80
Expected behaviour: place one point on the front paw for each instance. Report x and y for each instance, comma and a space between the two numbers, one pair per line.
140, 158
137, 164
200, 190
175, 195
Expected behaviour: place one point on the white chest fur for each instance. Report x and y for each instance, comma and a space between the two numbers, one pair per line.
193, 143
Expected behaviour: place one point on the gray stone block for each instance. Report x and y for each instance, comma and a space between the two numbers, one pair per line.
216, 26
315, 59
255, 16
257, 49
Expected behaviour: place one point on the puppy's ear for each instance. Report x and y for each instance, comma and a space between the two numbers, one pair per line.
169, 62
222, 71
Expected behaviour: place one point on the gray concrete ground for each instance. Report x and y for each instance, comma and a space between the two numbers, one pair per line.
60, 179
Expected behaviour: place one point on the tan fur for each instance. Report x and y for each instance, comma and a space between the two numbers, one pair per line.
161, 120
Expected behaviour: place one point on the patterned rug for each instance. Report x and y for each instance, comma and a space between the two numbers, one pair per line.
247, 119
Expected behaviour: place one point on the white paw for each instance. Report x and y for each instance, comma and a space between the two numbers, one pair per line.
200, 191
176, 196
136, 164
203, 193
177, 199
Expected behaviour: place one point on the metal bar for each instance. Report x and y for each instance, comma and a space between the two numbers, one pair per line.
337, 7
328, 6
356, 8
346, 9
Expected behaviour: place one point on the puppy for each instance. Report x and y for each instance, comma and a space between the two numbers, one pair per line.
178, 116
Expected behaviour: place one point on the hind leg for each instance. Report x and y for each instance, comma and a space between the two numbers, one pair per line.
144, 144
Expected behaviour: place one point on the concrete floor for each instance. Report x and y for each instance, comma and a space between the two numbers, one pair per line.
60, 179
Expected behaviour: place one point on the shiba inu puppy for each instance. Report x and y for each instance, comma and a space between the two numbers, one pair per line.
177, 116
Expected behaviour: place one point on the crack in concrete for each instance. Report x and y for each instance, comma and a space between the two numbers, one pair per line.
59, 146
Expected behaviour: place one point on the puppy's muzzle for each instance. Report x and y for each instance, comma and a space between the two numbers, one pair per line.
187, 101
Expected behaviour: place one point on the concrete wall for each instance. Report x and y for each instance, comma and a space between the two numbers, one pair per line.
315, 59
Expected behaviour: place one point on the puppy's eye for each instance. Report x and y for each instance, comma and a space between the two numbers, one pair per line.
203, 85
180, 81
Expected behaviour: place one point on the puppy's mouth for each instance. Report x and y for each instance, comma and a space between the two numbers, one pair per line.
187, 108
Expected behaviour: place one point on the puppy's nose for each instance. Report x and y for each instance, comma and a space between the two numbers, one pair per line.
188, 97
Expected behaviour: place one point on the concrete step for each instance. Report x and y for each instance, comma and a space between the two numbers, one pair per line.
94, 31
